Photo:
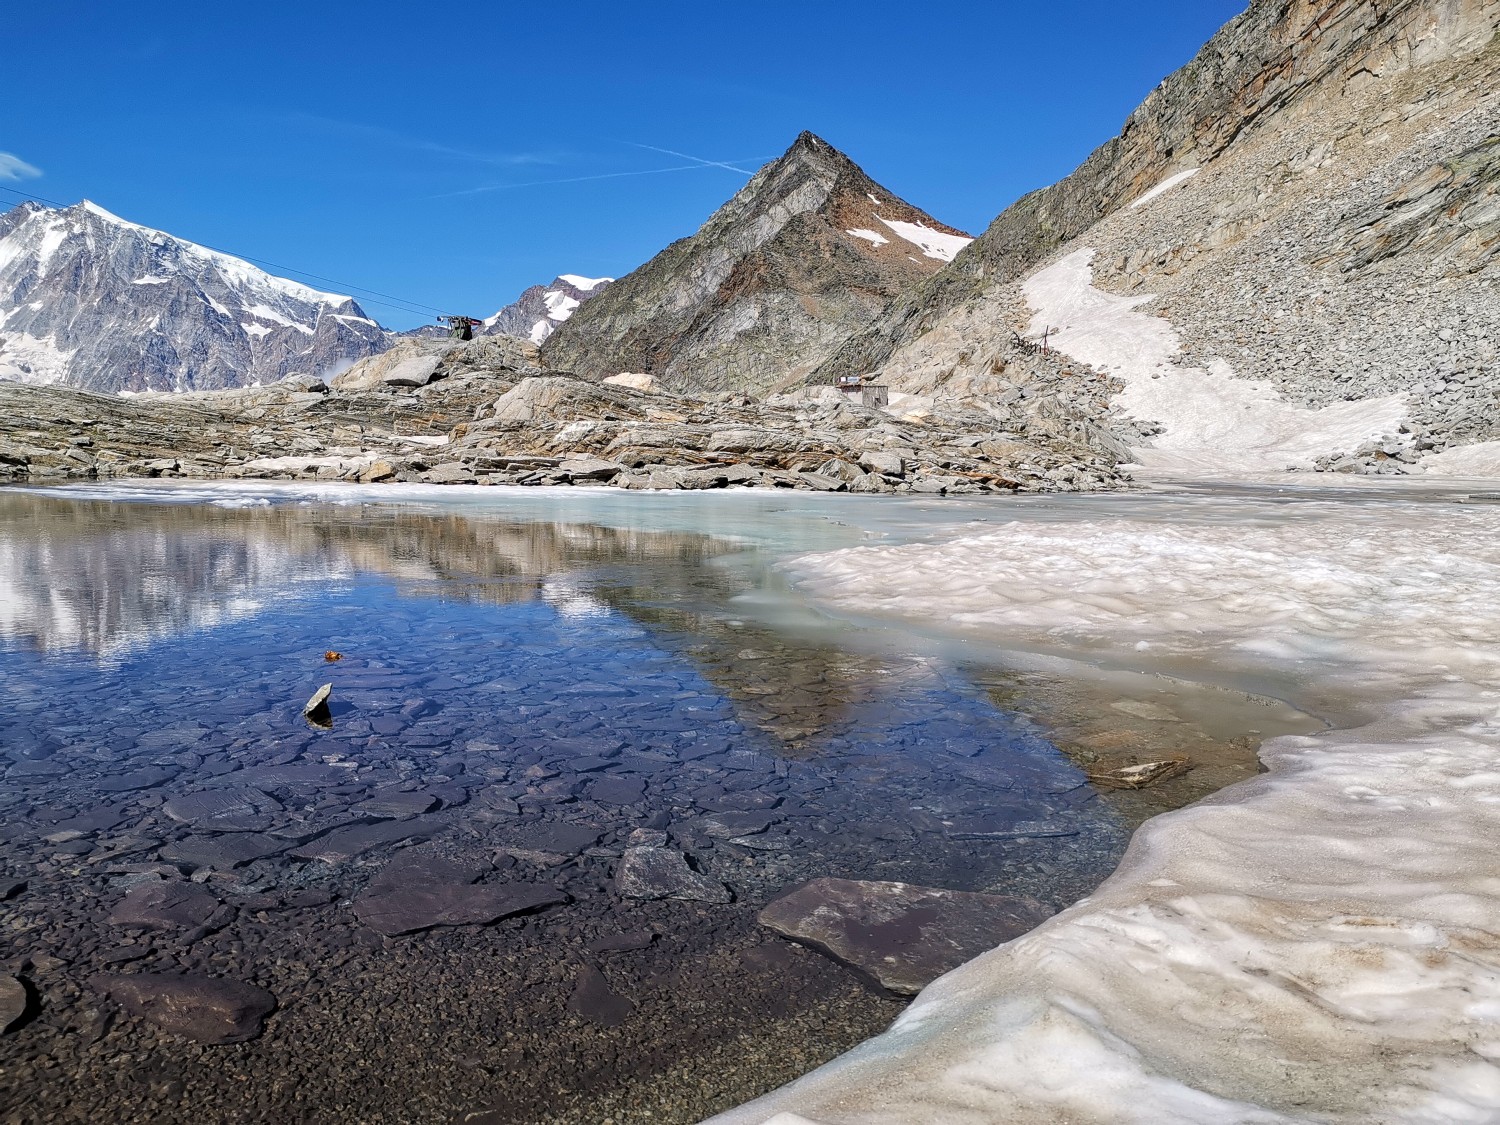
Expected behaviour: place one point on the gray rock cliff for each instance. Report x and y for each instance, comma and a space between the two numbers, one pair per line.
807, 253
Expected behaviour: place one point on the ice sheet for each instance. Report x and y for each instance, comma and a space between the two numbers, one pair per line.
1212, 420
1319, 944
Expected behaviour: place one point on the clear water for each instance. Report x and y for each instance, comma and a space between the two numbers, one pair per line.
513, 659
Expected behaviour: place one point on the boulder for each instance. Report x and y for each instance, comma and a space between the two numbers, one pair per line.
887, 464
899, 935
636, 381
411, 363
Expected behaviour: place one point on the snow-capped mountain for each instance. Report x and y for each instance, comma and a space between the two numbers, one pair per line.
90, 300
537, 312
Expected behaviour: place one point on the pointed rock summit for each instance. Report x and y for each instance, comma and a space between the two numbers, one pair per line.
807, 253
92, 301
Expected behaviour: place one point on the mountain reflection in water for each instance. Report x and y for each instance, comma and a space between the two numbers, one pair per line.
503, 681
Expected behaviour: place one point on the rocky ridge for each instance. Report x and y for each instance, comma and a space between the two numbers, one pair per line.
484, 412
801, 258
1311, 201
89, 300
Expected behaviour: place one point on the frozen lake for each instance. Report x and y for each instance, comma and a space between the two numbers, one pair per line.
790, 686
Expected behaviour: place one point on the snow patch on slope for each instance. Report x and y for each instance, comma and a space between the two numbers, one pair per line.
1212, 420
932, 243
1165, 186
869, 236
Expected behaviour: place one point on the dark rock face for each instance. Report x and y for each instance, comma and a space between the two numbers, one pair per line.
205, 1009
902, 936
806, 254
92, 301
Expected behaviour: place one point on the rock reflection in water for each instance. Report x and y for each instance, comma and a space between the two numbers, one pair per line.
514, 703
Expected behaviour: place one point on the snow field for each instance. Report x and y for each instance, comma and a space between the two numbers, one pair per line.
1321, 943
1212, 421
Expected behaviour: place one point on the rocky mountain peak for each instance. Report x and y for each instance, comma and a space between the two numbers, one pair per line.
803, 255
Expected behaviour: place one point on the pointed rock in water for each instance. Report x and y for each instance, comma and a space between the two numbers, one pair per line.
900, 935
316, 709
13, 1001
205, 1009
656, 872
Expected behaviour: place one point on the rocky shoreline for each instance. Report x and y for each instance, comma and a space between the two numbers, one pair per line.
484, 412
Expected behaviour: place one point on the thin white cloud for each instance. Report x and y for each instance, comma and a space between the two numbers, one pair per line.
380, 135
14, 169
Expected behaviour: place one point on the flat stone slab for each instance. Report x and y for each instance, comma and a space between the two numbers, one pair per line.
148, 778
165, 906
900, 935
547, 841
344, 844
421, 892
657, 872
205, 1009
241, 809
397, 804
223, 852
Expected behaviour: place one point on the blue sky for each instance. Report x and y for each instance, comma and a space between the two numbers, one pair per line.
453, 156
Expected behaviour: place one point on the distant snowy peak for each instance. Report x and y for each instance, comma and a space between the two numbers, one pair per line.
92, 300
537, 312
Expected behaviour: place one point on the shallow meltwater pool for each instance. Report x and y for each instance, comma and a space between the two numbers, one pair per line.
426, 908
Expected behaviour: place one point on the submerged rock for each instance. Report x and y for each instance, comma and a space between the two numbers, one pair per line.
166, 906
205, 1009
13, 1001
596, 1002
420, 892
657, 872
900, 935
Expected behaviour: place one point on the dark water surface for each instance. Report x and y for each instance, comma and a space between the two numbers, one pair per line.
523, 683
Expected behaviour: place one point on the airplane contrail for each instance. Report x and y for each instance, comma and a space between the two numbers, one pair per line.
689, 156
601, 176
